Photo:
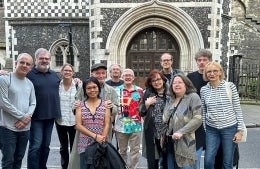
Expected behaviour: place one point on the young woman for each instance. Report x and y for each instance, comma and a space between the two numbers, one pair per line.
222, 118
151, 109
92, 118
183, 113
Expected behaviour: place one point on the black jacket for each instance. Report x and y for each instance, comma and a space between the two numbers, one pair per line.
103, 156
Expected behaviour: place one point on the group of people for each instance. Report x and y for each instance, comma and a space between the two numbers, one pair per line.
178, 116
196, 113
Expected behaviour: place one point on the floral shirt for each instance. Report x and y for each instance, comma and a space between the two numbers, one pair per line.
128, 119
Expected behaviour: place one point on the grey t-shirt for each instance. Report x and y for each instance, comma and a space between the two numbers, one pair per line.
17, 100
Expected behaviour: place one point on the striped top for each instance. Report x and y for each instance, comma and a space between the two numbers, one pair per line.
93, 122
218, 110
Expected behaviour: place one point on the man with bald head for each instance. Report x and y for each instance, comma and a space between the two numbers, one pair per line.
17, 102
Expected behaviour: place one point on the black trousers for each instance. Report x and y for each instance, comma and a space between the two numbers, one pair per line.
66, 136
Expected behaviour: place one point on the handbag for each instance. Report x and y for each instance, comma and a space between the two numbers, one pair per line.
236, 156
164, 137
244, 136
229, 94
163, 140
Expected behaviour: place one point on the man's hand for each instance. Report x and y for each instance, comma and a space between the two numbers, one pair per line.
77, 81
20, 124
76, 104
109, 104
27, 120
3, 72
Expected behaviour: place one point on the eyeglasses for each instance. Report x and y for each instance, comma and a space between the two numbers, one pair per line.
166, 60
41, 58
177, 83
212, 71
67, 70
92, 88
25, 63
128, 75
156, 80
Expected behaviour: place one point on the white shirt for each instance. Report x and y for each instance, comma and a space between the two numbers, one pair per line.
67, 99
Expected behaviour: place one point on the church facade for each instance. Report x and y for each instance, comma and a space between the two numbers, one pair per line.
132, 33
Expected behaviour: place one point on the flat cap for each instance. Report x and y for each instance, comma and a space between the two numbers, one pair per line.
97, 66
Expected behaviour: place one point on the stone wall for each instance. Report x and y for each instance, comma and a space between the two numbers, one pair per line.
245, 29
33, 34
2, 28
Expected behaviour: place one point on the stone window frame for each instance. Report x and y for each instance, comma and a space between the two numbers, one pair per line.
63, 44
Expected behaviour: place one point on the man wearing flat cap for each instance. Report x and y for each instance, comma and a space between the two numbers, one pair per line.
108, 94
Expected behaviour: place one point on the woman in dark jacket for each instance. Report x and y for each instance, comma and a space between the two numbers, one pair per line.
151, 109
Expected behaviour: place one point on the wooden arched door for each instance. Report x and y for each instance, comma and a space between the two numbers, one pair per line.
145, 50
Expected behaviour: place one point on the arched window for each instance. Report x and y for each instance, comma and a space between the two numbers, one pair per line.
60, 54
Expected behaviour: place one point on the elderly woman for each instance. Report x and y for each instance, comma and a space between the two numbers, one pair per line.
151, 109
222, 116
183, 115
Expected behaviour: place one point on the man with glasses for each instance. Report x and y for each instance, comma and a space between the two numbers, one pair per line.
17, 102
128, 123
167, 70
46, 83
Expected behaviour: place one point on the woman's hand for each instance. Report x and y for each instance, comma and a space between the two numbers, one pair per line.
76, 104
101, 139
149, 101
238, 137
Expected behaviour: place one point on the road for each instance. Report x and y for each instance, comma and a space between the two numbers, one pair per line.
249, 152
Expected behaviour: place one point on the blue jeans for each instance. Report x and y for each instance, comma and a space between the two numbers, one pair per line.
171, 159
40, 138
213, 139
13, 147
198, 156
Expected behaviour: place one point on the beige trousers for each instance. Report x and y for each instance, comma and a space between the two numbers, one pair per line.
133, 140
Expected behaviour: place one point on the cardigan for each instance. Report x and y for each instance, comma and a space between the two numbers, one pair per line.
186, 119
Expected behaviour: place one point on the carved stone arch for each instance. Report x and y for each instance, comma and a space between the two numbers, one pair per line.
238, 9
244, 2
63, 46
156, 14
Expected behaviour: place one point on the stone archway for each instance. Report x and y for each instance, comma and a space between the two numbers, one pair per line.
161, 15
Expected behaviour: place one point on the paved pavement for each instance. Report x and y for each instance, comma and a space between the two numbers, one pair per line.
251, 114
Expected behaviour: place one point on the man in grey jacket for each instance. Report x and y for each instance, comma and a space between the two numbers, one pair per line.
17, 102
107, 93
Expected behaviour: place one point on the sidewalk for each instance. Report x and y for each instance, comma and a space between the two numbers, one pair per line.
251, 114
